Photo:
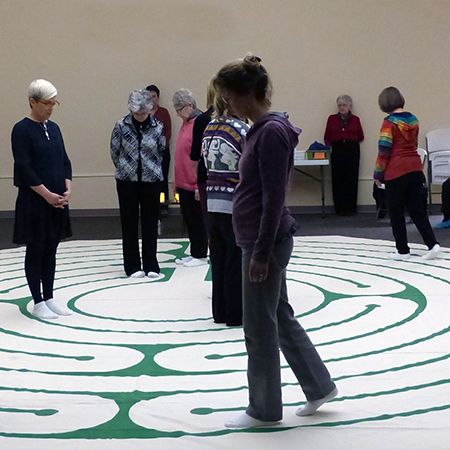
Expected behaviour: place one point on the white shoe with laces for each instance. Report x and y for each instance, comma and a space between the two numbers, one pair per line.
61, 310
433, 253
42, 311
138, 274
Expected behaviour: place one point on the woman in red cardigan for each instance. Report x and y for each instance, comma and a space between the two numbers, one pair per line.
344, 133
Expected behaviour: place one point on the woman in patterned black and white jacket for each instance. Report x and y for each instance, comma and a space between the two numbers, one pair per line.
137, 147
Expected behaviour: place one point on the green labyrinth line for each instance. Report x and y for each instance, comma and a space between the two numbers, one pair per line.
121, 426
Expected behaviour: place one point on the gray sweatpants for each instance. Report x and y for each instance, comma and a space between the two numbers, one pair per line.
269, 324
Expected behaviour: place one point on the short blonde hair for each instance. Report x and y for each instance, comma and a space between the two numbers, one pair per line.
41, 90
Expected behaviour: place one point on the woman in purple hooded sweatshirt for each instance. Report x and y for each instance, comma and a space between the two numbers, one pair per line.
264, 228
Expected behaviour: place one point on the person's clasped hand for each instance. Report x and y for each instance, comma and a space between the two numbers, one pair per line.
56, 200
257, 271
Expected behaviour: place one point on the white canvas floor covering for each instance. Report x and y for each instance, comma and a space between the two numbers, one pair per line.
140, 364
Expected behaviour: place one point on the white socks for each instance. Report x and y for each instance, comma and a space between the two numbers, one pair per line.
183, 260
155, 275
42, 311
138, 274
49, 309
433, 253
195, 262
189, 261
61, 310
400, 256
311, 407
246, 421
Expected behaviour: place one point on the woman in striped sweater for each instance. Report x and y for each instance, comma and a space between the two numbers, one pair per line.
399, 169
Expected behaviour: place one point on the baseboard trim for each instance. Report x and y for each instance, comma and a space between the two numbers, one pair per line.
174, 210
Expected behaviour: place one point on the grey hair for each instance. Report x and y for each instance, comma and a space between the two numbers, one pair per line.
183, 97
346, 99
41, 90
140, 100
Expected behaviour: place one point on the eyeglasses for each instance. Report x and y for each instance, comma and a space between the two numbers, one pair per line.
51, 103
178, 110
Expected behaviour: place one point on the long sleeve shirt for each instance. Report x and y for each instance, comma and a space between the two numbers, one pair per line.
40, 156
339, 131
137, 155
260, 215
397, 147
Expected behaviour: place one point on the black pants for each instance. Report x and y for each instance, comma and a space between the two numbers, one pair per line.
409, 191
40, 265
204, 204
446, 200
165, 163
226, 263
193, 218
344, 176
135, 196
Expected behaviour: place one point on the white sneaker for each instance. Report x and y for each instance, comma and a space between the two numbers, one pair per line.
155, 275
42, 311
400, 256
433, 253
61, 310
183, 260
138, 274
195, 262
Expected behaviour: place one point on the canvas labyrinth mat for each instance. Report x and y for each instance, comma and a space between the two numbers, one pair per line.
140, 364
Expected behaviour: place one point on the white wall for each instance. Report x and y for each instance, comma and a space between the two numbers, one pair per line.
96, 51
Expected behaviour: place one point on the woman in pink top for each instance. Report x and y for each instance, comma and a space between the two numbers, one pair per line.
186, 180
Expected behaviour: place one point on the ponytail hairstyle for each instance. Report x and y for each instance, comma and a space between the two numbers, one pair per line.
246, 76
210, 94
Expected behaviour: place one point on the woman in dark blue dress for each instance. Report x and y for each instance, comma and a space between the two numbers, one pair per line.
42, 173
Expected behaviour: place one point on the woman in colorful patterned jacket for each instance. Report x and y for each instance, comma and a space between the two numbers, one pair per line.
137, 148
221, 149
399, 169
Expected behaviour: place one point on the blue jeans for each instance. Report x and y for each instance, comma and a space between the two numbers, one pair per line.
269, 324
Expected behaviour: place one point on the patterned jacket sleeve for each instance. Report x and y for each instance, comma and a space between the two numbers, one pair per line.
384, 150
116, 143
162, 143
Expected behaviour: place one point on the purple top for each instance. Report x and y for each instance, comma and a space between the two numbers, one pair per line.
260, 216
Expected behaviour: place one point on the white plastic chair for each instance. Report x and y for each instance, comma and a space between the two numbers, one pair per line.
423, 155
438, 150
